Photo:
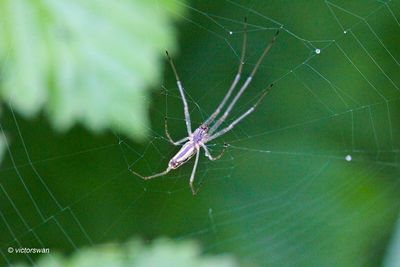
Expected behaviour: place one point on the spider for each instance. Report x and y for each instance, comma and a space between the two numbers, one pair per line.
207, 131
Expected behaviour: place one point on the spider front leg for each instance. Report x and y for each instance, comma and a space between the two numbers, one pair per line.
241, 117
244, 86
182, 93
175, 143
208, 154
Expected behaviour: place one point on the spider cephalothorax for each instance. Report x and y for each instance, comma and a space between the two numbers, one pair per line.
202, 135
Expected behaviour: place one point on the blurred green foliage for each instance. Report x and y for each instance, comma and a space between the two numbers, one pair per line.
3, 142
392, 258
283, 194
2, 145
161, 253
89, 61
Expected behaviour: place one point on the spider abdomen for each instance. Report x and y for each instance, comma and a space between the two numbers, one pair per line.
184, 154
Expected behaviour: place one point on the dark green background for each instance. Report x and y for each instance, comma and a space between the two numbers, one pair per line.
283, 194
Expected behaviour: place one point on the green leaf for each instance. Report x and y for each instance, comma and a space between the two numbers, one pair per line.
85, 61
2, 146
392, 258
162, 252
3, 141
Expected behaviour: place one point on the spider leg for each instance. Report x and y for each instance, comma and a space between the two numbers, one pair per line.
241, 117
176, 143
181, 91
193, 173
152, 176
244, 86
208, 154
235, 81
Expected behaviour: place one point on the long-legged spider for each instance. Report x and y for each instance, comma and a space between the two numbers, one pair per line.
203, 134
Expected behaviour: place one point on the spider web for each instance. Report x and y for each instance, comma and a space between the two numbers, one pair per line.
310, 178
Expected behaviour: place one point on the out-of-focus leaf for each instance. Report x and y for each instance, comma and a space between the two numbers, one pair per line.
163, 252
3, 142
2, 145
85, 61
393, 257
